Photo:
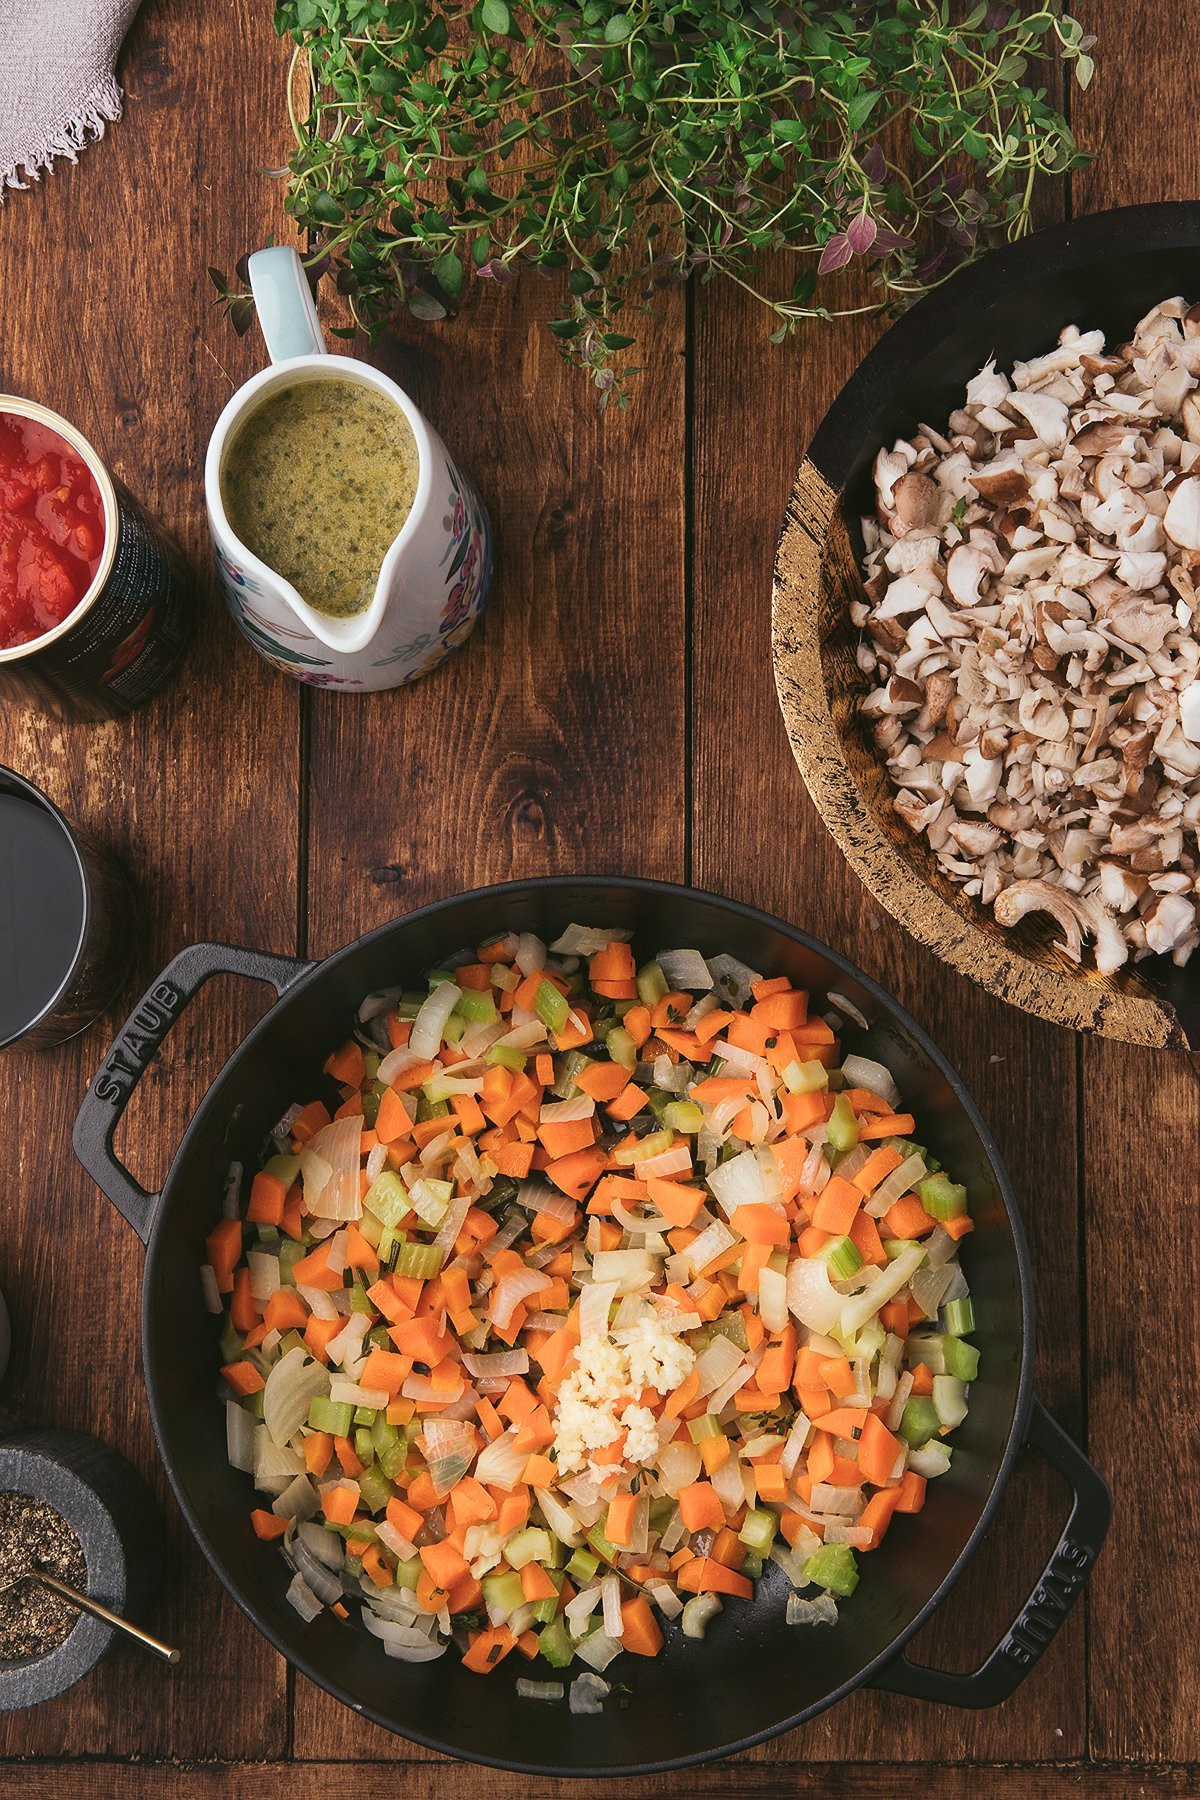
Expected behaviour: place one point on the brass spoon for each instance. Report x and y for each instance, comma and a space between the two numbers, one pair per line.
86, 1604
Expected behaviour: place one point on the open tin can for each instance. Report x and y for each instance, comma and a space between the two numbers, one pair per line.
126, 636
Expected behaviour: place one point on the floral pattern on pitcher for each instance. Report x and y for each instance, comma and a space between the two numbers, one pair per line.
467, 563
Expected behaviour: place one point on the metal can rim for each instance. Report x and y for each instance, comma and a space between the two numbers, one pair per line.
43, 415
10, 778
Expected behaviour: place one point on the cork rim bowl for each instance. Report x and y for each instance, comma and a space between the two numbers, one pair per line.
1107, 270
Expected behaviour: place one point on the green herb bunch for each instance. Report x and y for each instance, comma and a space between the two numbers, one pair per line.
623, 145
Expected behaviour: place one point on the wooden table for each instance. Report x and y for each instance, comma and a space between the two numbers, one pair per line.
614, 713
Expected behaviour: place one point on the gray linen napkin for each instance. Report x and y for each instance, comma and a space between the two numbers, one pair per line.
57, 86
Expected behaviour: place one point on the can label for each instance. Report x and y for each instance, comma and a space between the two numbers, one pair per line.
131, 639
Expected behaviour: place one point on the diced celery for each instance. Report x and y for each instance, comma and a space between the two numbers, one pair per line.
431, 1109
653, 1144
530, 1545
505, 1056
806, 1077
960, 1359
893, 1246
604, 1550
359, 1303
383, 1436
290, 1252
834, 1568
474, 1004
423, 1261
651, 984
335, 1416
927, 1348
284, 1168
503, 1591
254, 1404
959, 1317
364, 1449
582, 1567
431, 1199
706, 1426
683, 1115
571, 1064
409, 1573
842, 1127
950, 1400
752, 1565
554, 1643
437, 976
919, 1421
374, 1488
387, 1197
551, 1007
544, 1610
843, 1256
371, 1062
455, 1029
409, 1005
941, 1197
230, 1341
621, 1047
758, 1530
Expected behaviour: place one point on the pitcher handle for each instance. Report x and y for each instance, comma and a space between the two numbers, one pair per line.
287, 313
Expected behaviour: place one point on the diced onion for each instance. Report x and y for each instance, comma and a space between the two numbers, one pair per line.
732, 979
301, 1597
337, 1148
239, 1437
717, 1363
512, 1290
821, 1611
292, 1385
811, 1295
901, 1180
530, 954
594, 1303
396, 1061
425, 1038
540, 1197
738, 1182
772, 1298
567, 1112
499, 1465
685, 969
861, 1072
697, 1613
539, 1690
408, 1643
210, 1290
610, 1600
586, 940
264, 1273
500, 1364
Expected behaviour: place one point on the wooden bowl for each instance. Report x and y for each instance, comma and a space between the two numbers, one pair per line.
1106, 270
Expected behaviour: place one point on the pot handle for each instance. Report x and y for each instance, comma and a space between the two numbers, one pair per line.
1058, 1587
133, 1050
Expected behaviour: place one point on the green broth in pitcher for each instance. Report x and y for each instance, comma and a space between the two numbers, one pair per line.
317, 482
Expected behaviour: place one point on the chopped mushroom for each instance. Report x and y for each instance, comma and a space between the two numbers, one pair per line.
1032, 637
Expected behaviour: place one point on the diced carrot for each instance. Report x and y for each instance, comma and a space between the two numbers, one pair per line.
576, 1173
243, 1378
340, 1503
836, 1206
312, 1118
267, 1525
392, 1120
876, 1515
386, 1371
782, 1012
628, 1104
618, 1526
836, 1373
445, 1563
864, 1235
602, 1081
539, 1471
700, 1507
243, 1308
513, 1511
714, 1453
422, 1339
488, 1648
907, 1218
561, 1141
820, 1456
359, 1253
347, 1065
881, 1162
922, 1379
704, 1576
224, 1246
901, 1125
877, 1450
318, 1452
639, 1628
771, 1482
910, 1495
777, 1369
760, 1223
313, 1271
268, 1196
320, 1333
894, 1317
285, 1310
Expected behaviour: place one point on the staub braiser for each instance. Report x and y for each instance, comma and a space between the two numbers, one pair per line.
753, 1675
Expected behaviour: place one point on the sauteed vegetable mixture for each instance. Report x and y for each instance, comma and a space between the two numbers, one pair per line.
593, 1289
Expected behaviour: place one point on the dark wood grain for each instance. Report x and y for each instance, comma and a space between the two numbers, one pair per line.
108, 317
805, 1781
614, 712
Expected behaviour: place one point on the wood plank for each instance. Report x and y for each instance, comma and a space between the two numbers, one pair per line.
1140, 1118
553, 742
757, 837
719, 1781
128, 345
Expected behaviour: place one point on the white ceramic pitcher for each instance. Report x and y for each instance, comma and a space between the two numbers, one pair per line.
435, 576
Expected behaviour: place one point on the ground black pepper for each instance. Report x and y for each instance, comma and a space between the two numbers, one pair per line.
32, 1619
